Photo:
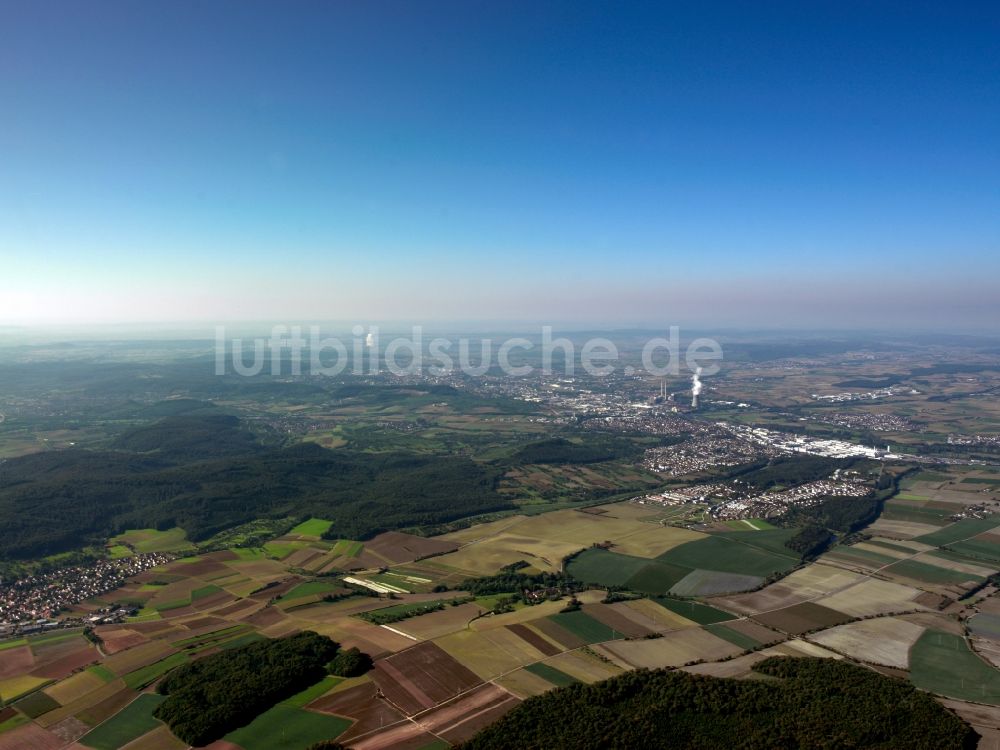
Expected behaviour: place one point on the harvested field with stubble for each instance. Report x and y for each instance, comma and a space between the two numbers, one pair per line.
613, 618
489, 653
436, 624
650, 615
652, 541
893, 529
159, 739
872, 596
672, 650
488, 556
799, 586
74, 687
883, 640
532, 614
583, 665
738, 667
797, 647
524, 683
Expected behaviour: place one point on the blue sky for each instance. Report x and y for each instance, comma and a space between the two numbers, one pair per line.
814, 164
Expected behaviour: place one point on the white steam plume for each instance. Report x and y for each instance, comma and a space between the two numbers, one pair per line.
696, 383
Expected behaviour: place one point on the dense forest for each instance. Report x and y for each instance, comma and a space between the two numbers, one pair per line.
815, 703
214, 695
592, 449
209, 476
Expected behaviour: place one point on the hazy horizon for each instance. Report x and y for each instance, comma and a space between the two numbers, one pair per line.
629, 166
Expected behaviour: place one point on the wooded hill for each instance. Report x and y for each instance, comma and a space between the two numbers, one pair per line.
208, 475
814, 703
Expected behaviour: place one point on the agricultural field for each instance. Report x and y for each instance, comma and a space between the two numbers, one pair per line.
447, 669
942, 663
152, 540
132, 722
544, 540
672, 650
287, 726
885, 640
705, 565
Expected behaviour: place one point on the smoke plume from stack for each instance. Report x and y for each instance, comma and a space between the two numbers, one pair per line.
695, 388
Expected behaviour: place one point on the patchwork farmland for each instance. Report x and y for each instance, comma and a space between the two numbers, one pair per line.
713, 600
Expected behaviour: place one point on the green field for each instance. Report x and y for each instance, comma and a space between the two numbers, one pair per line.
736, 638
348, 548
213, 637
56, 636
133, 721
101, 671
735, 552
240, 641
313, 692
13, 722
313, 527
862, 555
13, 644
583, 625
977, 550
899, 510
36, 704
310, 588
694, 611
249, 553
920, 571
144, 676
118, 551
721, 553
942, 663
889, 545
967, 527
932, 476
551, 674
656, 578
605, 568
769, 539
204, 591
281, 550
151, 540
289, 728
